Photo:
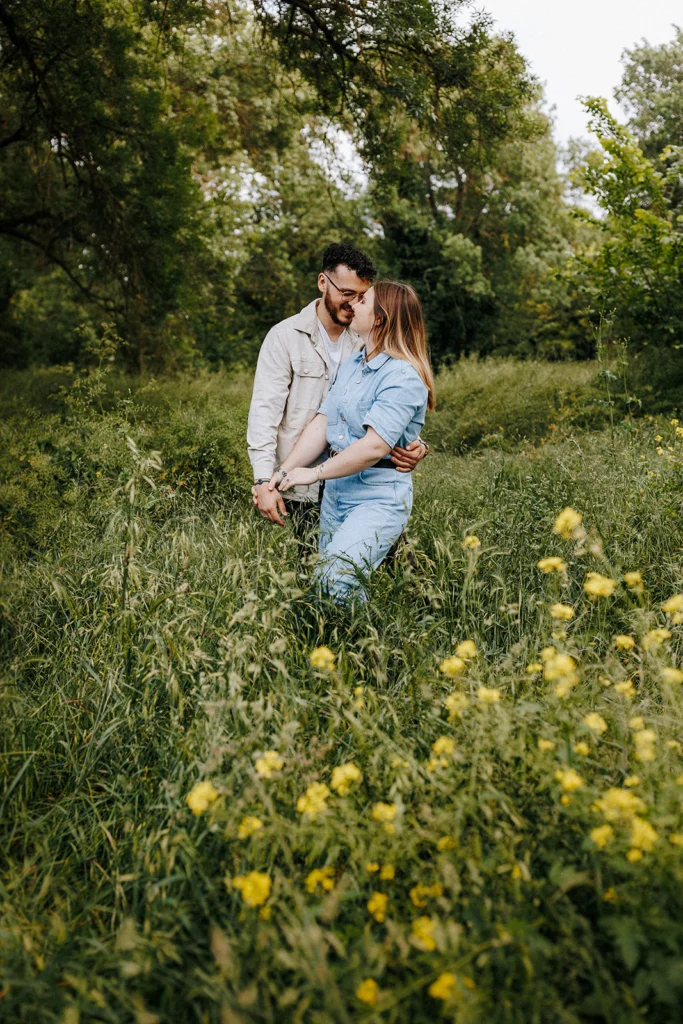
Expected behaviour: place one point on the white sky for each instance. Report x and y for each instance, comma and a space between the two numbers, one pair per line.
575, 46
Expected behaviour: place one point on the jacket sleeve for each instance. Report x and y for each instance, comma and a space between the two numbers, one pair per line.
272, 384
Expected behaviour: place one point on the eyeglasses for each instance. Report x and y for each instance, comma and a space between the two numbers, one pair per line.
345, 293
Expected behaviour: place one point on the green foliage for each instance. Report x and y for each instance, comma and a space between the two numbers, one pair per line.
636, 272
148, 643
652, 91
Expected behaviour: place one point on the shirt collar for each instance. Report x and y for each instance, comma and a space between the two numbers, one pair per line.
376, 361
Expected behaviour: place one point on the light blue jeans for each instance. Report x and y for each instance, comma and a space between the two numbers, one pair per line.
361, 518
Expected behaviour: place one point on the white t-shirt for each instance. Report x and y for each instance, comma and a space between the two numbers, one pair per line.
333, 349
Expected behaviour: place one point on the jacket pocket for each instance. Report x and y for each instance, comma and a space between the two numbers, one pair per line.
308, 383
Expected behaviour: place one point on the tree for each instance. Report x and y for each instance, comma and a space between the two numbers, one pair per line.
651, 90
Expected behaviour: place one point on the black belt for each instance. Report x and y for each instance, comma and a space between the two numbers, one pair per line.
382, 464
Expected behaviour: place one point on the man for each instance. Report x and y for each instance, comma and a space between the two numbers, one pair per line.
297, 365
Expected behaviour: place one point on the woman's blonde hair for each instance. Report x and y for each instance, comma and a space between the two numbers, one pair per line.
400, 329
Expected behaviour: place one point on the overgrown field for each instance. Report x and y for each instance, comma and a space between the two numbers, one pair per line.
398, 829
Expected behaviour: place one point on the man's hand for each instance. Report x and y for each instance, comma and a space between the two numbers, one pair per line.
293, 478
270, 504
406, 459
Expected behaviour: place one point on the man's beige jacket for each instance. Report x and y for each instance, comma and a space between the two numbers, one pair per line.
292, 379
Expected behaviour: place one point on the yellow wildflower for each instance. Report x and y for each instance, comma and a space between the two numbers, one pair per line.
569, 779
582, 748
466, 650
673, 422
551, 564
388, 873
248, 826
423, 933
471, 543
323, 877
445, 843
313, 801
452, 666
371, 867
597, 585
443, 745
626, 689
455, 704
547, 653
673, 604
676, 838
268, 763
420, 893
567, 521
377, 905
322, 658
645, 740
201, 796
610, 895
545, 745
342, 777
385, 813
443, 987
655, 637
679, 780
368, 991
488, 695
673, 745
634, 580
632, 780
619, 804
533, 668
564, 612
595, 722
559, 666
254, 887
602, 835
672, 675
643, 836
637, 722
623, 642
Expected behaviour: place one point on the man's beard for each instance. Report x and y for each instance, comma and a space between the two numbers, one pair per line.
334, 316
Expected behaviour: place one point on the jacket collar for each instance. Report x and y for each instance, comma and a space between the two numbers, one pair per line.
307, 322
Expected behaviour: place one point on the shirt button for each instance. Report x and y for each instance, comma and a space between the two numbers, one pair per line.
305, 371
326, 377
341, 437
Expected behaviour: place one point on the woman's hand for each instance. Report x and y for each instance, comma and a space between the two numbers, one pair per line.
293, 478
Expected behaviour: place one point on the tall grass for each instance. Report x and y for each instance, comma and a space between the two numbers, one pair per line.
155, 635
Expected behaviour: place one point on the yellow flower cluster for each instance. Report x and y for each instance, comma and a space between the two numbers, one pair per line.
488, 695
248, 826
626, 689
567, 523
385, 813
314, 800
422, 933
322, 659
343, 776
268, 763
471, 543
377, 905
673, 606
597, 585
455, 704
595, 722
645, 741
254, 887
643, 838
569, 779
368, 991
443, 987
442, 753
602, 835
672, 675
452, 666
619, 805
655, 637
560, 669
634, 580
623, 642
323, 877
201, 796
466, 650
420, 893
562, 612
546, 745
551, 564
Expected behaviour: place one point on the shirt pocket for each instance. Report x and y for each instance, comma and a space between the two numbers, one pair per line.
309, 380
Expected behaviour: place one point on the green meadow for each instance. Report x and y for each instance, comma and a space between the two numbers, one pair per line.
226, 801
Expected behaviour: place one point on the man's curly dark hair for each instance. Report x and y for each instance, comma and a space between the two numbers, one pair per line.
351, 257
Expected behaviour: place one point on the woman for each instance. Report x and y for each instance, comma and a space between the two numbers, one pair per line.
378, 400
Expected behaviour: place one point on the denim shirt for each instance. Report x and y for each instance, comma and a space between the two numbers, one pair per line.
384, 393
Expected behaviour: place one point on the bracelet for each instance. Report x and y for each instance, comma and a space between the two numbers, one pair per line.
319, 471
263, 480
